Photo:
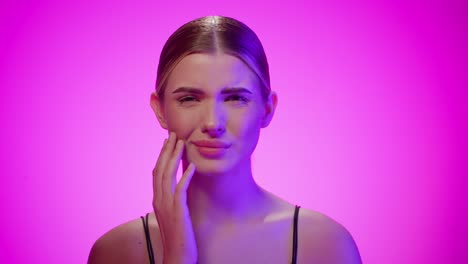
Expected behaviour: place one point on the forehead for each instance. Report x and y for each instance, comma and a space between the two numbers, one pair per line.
212, 72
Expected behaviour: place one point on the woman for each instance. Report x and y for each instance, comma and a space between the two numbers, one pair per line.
213, 96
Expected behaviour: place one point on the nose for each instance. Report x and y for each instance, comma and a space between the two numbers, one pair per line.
214, 120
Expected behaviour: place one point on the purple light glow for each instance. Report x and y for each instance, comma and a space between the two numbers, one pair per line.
370, 128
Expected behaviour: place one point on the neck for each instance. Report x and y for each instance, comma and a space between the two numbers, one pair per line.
225, 197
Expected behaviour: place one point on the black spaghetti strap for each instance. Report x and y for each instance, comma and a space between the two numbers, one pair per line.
149, 246
296, 217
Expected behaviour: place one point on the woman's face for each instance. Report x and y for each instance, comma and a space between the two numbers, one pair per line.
214, 103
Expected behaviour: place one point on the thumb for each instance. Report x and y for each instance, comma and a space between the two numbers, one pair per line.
181, 188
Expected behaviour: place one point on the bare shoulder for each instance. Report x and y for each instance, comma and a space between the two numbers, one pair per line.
323, 240
122, 244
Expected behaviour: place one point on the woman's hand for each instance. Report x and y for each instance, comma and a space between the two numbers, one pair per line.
170, 204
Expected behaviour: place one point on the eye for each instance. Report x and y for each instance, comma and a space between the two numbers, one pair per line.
238, 98
187, 98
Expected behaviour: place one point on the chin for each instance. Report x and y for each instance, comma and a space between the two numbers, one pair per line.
212, 167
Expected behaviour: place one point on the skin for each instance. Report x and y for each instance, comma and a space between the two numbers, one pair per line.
217, 213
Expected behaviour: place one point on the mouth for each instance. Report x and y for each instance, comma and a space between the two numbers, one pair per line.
212, 148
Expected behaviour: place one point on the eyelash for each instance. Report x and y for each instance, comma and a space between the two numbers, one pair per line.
186, 99
235, 97
239, 98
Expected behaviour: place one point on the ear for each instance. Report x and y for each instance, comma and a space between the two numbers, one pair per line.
158, 109
270, 106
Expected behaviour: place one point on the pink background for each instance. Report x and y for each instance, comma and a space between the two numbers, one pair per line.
370, 129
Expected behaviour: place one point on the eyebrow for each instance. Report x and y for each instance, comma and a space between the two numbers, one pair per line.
227, 90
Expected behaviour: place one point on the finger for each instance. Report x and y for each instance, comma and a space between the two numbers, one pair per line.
170, 174
166, 152
161, 165
155, 170
157, 176
181, 188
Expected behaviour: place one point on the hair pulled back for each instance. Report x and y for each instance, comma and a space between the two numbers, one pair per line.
214, 34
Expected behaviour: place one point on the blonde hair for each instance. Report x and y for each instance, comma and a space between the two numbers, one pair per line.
212, 34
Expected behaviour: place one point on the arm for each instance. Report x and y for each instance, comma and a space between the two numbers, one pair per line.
323, 240
125, 243
120, 245
342, 248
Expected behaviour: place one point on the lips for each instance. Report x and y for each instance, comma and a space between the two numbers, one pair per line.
211, 148
211, 144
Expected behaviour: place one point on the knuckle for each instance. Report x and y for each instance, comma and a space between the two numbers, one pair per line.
156, 201
155, 170
173, 159
178, 191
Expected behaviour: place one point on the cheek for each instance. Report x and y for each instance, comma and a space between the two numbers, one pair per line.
181, 122
247, 128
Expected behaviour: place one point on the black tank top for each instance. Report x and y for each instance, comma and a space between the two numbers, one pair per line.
149, 246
